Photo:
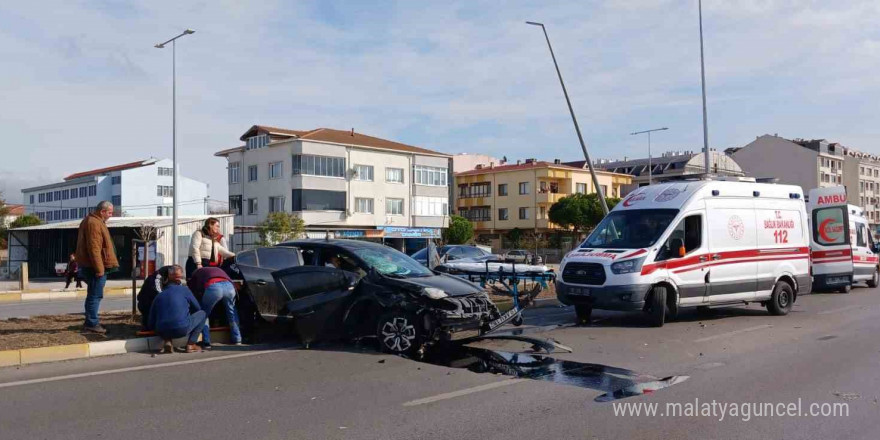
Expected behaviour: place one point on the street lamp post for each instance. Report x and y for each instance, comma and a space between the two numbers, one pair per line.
574, 119
650, 170
173, 42
703, 80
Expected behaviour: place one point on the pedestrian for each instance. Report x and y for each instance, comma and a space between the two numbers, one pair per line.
176, 313
95, 258
214, 286
71, 273
206, 247
154, 284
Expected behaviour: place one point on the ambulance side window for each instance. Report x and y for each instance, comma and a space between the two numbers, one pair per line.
861, 236
690, 231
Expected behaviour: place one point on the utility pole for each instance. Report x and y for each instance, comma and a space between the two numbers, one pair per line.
703, 78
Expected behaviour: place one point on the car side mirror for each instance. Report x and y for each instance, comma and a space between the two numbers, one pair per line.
676, 245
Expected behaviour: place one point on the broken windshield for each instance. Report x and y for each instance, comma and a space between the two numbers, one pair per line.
388, 261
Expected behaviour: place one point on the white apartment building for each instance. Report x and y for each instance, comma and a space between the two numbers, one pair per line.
137, 189
358, 185
807, 163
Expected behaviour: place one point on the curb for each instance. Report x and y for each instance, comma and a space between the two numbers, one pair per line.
25, 356
59, 295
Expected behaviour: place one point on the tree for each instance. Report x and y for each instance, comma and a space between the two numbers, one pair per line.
581, 212
460, 230
26, 220
514, 237
278, 227
4, 211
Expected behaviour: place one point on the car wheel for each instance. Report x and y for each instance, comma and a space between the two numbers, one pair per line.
399, 332
583, 313
781, 300
845, 289
656, 306
875, 280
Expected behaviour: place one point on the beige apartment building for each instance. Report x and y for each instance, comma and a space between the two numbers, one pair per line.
498, 198
861, 175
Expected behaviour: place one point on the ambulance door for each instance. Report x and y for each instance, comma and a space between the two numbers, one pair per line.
830, 247
864, 259
732, 250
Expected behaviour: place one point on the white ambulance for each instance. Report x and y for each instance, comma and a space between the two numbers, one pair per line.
843, 249
692, 244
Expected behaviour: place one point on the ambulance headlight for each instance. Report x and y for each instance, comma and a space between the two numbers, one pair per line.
628, 266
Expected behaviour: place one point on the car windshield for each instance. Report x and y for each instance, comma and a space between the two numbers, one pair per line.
630, 229
388, 261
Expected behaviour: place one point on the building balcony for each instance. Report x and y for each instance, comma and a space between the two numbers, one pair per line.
549, 197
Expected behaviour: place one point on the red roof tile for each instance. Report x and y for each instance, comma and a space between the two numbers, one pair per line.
99, 171
515, 167
16, 210
349, 137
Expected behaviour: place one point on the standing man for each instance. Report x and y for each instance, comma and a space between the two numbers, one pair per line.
96, 256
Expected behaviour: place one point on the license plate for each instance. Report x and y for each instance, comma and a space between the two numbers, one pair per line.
838, 280
578, 291
510, 313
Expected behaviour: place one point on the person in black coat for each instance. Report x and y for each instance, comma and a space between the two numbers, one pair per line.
153, 285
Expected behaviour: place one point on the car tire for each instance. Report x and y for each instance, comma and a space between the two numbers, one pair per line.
399, 332
846, 289
656, 306
875, 280
781, 299
583, 312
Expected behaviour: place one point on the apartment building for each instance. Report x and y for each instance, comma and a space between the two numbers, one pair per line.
498, 198
137, 189
671, 164
861, 176
344, 182
807, 163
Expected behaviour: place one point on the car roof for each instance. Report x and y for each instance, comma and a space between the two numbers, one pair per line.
345, 244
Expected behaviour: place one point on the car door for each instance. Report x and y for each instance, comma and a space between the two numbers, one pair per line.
317, 296
256, 267
733, 242
688, 272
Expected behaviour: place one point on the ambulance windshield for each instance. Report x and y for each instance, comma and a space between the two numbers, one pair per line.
630, 229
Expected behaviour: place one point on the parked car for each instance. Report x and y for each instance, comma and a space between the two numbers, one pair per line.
350, 289
521, 256
453, 252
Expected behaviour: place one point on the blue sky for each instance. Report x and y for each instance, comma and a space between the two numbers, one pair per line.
82, 86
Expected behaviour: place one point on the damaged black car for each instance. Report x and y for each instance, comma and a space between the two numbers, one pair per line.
348, 289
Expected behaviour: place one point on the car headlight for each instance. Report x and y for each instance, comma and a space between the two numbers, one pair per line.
435, 293
628, 266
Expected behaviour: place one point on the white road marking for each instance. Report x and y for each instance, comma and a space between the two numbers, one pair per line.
138, 368
464, 392
841, 309
735, 332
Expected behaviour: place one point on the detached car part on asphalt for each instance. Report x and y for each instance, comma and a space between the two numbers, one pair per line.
331, 289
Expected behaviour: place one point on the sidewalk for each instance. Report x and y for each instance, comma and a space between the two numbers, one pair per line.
52, 290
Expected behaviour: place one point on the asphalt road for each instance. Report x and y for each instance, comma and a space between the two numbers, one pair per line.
33, 308
825, 351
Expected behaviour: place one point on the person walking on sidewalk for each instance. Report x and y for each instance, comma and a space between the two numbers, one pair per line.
206, 247
214, 286
176, 313
71, 273
96, 258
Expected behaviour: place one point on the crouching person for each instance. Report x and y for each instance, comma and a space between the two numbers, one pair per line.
214, 286
175, 313
154, 284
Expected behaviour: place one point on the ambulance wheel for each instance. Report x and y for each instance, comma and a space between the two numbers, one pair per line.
875, 280
656, 306
781, 299
845, 289
583, 313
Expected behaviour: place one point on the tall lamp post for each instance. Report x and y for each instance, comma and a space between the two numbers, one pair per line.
574, 119
703, 81
650, 170
173, 42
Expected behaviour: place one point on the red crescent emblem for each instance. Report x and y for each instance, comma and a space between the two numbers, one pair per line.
822, 227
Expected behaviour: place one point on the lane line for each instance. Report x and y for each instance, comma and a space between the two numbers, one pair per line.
841, 309
464, 392
138, 368
735, 332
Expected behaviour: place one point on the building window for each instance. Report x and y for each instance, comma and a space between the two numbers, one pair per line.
93, 190
604, 190
542, 213
394, 206
363, 172
166, 171
363, 205
394, 175
65, 194
275, 170
83, 192
581, 188
502, 189
478, 214
32, 199
276, 204
502, 214
57, 195
116, 201
255, 142
252, 173
235, 204
57, 214
159, 211
73, 193
430, 206
318, 200
116, 180
311, 165
234, 172
42, 197
83, 212
523, 213
524, 187
252, 206
65, 214
433, 176
164, 191
49, 196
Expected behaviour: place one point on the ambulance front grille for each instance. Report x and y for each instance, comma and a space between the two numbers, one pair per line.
584, 273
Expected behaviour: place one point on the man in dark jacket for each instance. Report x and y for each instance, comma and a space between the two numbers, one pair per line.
176, 313
153, 285
96, 257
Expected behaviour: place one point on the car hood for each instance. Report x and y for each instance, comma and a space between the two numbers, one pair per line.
453, 286
604, 256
